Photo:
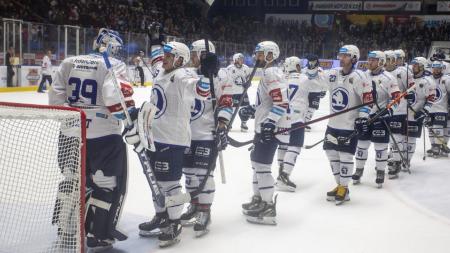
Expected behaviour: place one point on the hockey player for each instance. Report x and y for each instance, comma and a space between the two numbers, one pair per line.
300, 88
85, 82
202, 153
397, 122
238, 74
316, 93
420, 101
271, 105
439, 111
348, 87
384, 89
173, 93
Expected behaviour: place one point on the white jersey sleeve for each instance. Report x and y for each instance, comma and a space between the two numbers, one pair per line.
272, 97
424, 91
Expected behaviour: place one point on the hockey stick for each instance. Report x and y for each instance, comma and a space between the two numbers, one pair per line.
240, 144
315, 144
424, 143
380, 113
186, 197
143, 156
374, 92
407, 121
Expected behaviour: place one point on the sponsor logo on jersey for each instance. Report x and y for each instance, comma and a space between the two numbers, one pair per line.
197, 109
339, 99
276, 95
161, 101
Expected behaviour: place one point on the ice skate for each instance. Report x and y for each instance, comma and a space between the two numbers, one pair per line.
284, 183
254, 203
357, 176
170, 233
342, 195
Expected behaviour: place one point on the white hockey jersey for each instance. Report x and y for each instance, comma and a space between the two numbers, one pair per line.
173, 94
347, 91
237, 77
404, 78
202, 113
271, 97
299, 87
424, 91
46, 65
85, 82
440, 102
386, 88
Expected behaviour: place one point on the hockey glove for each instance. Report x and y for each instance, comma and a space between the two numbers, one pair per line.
410, 97
267, 130
361, 125
222, 138
140, 135
247, 112
155, 33
209, 65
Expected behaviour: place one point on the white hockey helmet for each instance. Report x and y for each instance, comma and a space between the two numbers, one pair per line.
268, 47
399, 53
291, 63
378, 55
421, 61
178, 49
237, 56
198, 46
108, 40
390, 55
351, 50
437, 65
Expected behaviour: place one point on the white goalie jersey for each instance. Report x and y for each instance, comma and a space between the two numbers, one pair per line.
85, 82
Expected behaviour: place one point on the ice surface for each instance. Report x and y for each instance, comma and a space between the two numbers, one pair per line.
411, 214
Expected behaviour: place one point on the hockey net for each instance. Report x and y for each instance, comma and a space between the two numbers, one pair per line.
42, 178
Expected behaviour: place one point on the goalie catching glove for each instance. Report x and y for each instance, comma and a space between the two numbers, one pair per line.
139, 134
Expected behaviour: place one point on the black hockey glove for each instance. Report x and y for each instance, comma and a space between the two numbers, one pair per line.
267, 130
361, 125
209, 65
247, 112
155, 33
222, 138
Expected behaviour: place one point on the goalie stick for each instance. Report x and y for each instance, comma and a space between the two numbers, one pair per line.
143, 156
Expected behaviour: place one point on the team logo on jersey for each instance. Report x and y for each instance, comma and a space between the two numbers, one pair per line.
197, 109
339, 99
239, 81
438, 95
332, 78
161, 101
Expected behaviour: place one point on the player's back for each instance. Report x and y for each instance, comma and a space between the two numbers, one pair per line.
84, 81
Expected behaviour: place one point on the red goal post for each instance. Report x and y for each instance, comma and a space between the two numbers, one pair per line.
42, 178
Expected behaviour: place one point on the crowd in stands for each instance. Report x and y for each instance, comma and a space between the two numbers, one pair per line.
185, 19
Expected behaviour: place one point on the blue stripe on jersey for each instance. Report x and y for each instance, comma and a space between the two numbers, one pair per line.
228, 110
278, 111
155, 53
364, 109
203, 85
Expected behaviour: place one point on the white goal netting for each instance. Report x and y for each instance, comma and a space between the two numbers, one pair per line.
41, 179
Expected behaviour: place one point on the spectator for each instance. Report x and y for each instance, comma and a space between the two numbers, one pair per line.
9, 69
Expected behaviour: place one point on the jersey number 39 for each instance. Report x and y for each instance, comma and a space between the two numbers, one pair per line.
86, 89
